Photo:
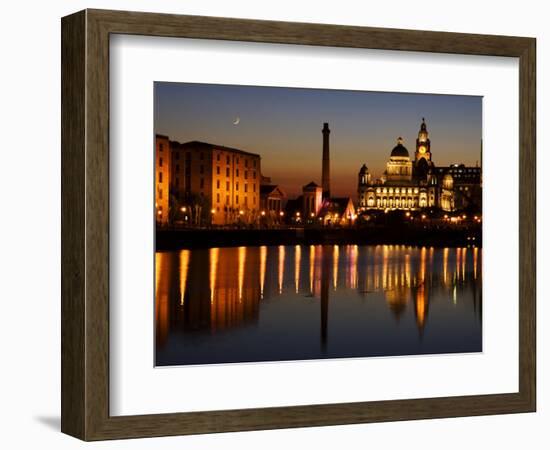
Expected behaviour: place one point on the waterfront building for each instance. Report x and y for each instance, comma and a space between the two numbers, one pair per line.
272, 201
162, 179
223, 182
337, 211
411, 185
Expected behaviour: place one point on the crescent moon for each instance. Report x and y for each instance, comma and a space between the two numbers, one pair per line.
237, 120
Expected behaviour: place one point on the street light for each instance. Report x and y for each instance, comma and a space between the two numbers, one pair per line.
213, 211
281, 213
263, 213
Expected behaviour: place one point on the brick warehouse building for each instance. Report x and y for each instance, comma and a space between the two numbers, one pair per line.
223, 182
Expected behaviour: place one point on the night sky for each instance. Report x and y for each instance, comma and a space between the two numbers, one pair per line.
284, 125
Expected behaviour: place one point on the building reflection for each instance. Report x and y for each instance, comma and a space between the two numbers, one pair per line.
222, 288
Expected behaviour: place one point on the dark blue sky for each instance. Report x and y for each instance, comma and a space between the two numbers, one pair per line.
284, 126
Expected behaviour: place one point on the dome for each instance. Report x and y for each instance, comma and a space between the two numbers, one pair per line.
399, 151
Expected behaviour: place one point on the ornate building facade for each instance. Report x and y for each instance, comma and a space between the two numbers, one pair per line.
414, 184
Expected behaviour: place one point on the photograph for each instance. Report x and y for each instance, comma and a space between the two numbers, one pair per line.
297, 224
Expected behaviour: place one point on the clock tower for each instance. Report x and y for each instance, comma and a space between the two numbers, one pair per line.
423, 145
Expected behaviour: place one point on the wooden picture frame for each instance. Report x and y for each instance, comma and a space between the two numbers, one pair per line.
85, 224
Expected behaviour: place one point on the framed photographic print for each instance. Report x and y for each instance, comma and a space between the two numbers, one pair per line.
271, 224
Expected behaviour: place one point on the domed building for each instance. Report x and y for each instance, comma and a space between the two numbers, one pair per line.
417, 184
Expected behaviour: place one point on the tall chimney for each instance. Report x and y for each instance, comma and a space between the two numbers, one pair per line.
326, 162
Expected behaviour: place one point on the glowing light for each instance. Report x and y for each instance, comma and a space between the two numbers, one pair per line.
183, 209
159, 212
353, 266
213, 211
282, 213
213, 271
241, 212
184, 268
263, 257
335, 258
281, 271
311, 267
297, 260
241, 263
263, 213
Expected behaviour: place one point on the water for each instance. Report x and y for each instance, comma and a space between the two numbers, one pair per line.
278, 303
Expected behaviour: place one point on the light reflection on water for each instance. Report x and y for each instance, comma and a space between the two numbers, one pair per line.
317, 301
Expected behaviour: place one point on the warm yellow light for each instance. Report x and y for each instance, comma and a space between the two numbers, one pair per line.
464, 216
281, 213
213, 211
263, 213
423, 216
159, 212
407, 213
446, 216
312, 214
241, 212
183, 209
298, 213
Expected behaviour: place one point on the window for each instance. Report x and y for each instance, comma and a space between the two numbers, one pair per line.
218, 170
246, 174
177, 156
202, 183
237, 186
237, 172
227, 199
218, 198
161, 147
227, 172
202, 169
236, 199
246, 162
228, 160
202, 156
254, 162
237, 161
254, 200
217, 157
254, 187
254, 174
246, 187
160, 162
177, 167
218, 184
227, 185
160, 194
160, 177
177, 181
246, 201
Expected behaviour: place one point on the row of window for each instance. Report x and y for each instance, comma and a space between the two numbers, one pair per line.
397, 190
227, 200
218, 158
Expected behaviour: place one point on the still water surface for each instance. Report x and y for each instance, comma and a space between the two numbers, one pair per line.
240, 304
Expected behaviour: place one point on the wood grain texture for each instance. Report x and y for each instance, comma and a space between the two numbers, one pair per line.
73, 111
85, 224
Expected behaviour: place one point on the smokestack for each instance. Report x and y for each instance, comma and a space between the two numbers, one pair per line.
326, 162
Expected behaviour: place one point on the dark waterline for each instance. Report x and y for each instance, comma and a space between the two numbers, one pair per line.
245, 304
